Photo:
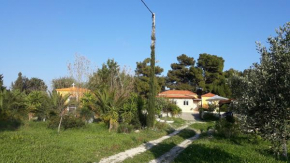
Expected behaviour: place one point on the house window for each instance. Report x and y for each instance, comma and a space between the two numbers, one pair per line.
185, 102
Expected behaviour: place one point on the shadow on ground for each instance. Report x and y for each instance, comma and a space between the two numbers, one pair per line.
200, 153
9, 125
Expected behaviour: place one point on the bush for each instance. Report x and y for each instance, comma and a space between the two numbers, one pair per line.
174, 109
227, 129
161, 126
136, 121
86, 114
224, 108
210, 116
72, 122
53, 122
125, 128
67, 122
10, 124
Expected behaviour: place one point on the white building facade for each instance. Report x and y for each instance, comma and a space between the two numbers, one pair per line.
187, 101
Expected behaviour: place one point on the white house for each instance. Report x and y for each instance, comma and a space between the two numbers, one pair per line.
187, 101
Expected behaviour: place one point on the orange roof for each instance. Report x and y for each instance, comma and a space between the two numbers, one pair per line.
70, 89
208, 95
178, 94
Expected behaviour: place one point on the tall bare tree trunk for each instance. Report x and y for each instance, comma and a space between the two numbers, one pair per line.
152, 90
285, 151
58, 130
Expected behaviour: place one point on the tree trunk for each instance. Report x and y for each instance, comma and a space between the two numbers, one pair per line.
285, 149
152, 90
58, 130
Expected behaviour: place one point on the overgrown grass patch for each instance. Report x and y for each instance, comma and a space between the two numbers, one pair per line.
163, 147
203, 127
218, 149
34, 142
177, 122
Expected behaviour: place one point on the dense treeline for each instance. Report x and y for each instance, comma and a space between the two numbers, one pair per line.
116, 96
206, 74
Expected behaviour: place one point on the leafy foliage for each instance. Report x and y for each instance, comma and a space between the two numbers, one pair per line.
22, 83
206, 75
142, 78
111, 77
184, 76
37, 103
63, 82
110, 104
262, 94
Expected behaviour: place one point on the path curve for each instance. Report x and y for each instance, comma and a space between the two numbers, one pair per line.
175, 151
140, 149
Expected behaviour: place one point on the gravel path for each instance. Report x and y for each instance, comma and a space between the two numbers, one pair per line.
175, 151
140, 149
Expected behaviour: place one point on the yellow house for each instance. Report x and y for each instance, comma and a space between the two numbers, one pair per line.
204, 99
75, 94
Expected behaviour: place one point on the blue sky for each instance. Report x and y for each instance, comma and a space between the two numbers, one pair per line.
39, 38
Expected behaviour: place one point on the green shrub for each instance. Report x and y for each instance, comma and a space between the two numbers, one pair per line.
209, 117
67, 122
161, 126
125, 128
227, 129
10, 124
53, 122
174, 109
224, 108
72, 122
86, 113
135, 122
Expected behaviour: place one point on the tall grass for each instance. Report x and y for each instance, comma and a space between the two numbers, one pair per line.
34, 142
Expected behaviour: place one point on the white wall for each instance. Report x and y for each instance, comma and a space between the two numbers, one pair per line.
186, 108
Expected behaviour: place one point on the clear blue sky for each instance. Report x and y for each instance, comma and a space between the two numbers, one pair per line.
39, 38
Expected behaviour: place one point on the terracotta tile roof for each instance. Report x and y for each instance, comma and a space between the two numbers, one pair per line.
70, 89
178, 94
181, 92
208, 95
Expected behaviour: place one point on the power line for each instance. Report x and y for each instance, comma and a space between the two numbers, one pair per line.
147, 7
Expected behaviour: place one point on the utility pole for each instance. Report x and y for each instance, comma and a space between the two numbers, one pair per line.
152, 85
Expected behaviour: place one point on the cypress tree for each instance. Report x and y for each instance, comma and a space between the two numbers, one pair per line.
152, 90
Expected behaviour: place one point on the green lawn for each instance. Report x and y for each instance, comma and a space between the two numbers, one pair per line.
203, 126
223, 150
33, 142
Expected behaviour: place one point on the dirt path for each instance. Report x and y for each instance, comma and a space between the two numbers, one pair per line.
140, 149
175, 151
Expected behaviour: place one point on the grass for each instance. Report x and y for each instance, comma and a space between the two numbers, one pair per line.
218, 149
162, 148
203, 126
178, 122
34, 142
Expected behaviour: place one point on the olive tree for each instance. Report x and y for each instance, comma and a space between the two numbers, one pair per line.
263, 92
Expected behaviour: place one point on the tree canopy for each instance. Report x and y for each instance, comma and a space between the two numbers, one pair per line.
63, 82
263, 92
184, 75
22, 83
142, 78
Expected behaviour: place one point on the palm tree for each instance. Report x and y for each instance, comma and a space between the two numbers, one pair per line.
59, 103
35, 103
88, 106
110, 104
